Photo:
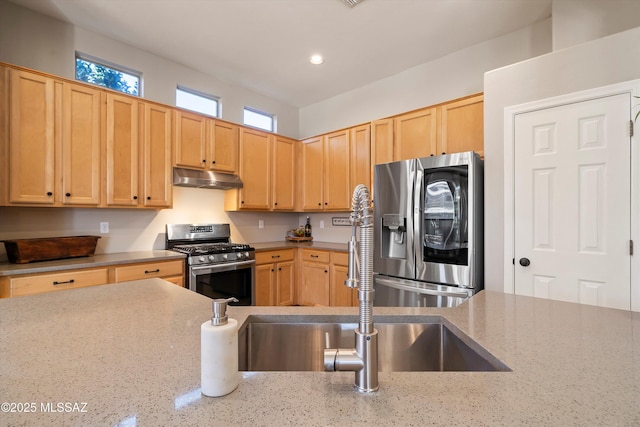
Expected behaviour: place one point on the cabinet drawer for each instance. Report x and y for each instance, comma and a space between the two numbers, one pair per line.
148, 270
269, 257
340, 258
315, 256
55, 282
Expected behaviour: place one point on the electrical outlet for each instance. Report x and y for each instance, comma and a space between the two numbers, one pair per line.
104, 227
321, 224
260, 223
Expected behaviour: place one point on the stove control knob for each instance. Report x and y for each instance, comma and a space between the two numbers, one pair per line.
201, 258
211, 258
240, 255
246, 254
225, 256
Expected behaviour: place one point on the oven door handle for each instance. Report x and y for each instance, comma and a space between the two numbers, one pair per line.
223, 267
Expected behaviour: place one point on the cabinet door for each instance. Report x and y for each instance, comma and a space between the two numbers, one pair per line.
122, 151
39, 283
284, 163
340, 295
255, 160
315, 284
223, 147
31, 139
462, 126
265, 284
415, 134
156, 154
337, 188
382, 141
312, 171
191, 140
285, 280
360, 157
80, 145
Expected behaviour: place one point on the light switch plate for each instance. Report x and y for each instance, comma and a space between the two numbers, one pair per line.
340, 221
104, 227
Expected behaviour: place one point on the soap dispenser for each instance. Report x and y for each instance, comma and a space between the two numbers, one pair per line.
219, 351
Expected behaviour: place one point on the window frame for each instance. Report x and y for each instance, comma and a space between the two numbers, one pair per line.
107, 64
218, 112
262, 113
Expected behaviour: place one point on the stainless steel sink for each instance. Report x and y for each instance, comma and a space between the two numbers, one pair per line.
272, 345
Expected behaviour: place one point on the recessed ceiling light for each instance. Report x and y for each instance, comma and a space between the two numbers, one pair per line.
316, 59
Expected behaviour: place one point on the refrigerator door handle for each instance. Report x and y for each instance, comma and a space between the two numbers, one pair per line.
417, 223
398, 285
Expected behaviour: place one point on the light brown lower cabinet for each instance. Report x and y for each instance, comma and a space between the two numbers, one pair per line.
339, 294
13, 286
275, 277
321, 282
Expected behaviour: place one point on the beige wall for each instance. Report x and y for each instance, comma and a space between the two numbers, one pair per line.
452, 76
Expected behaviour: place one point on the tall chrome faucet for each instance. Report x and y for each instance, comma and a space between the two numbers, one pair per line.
363, 359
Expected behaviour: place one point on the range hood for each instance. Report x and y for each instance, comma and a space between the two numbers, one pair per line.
205, 179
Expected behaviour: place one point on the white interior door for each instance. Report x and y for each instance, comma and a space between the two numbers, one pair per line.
572, 202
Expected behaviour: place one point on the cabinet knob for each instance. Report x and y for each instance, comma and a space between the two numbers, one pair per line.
213, 162
67, 194
242, 202
49, 193
276, 204
319, 204
204, 161
444, 152
135, 197
148, 197
279, 268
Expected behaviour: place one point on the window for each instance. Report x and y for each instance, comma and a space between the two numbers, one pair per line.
197, 101
95, 71
259, 119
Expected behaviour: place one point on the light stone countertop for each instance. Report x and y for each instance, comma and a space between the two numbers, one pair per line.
99, 260
131, 352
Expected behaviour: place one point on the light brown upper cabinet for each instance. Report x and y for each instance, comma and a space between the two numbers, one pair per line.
157, 156
204, 143
138, 153
325, 176
267, 170
415, 134
382, 141
80, 145
122, 145
284, 173
223, 146
254, 171
337, 187
461, 126
311, 173
191, 140
360, 160
450, 127
53, 152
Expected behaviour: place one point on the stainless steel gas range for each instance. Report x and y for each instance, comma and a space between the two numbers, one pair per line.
216, 267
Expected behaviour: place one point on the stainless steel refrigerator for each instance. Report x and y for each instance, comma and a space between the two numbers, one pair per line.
428, 233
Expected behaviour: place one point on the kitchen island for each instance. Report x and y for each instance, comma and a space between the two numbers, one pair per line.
129, 354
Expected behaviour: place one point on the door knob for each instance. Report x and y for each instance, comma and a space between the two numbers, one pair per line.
524, 262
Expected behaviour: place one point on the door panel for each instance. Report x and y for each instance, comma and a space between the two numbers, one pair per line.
572, 202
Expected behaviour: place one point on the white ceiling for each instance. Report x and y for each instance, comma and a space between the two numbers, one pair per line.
265, 45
